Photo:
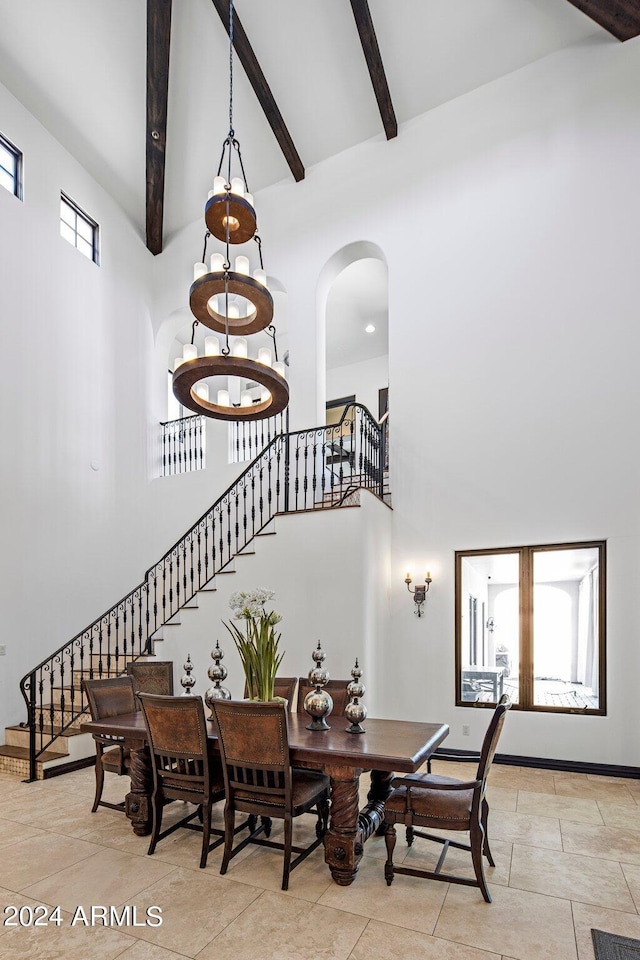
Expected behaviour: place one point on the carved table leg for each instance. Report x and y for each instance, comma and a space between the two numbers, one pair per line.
343, 840
372, 816
137, 801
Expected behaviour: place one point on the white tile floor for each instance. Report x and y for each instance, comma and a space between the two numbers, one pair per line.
567, 851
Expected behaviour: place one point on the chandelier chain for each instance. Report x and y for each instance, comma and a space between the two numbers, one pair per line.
204, 249
231, 133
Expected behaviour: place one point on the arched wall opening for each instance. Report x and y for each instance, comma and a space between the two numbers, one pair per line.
353, 322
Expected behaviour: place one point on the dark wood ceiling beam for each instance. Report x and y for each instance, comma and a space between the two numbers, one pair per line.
371, 51
620, 17
261, 88
158, 39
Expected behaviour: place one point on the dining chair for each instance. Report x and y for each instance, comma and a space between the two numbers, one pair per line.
182, 766
443, 803
111, 697
284, 687
458, 756
152, 676
259, 780
336, 688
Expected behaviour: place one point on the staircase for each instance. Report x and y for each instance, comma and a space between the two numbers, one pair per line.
321, 468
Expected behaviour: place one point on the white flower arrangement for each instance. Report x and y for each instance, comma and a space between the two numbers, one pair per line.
252, 605
258, 645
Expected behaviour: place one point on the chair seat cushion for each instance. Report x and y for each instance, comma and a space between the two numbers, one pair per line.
217, 783
113, 759
307, 787
449, 809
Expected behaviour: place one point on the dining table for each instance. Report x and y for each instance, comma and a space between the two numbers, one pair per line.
385, 748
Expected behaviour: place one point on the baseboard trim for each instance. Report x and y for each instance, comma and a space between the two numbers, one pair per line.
544, 763
69, 767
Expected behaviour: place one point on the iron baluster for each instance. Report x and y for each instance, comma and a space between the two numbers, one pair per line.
31, 717
244, 514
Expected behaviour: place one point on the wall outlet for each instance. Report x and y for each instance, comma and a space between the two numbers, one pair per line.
466, 730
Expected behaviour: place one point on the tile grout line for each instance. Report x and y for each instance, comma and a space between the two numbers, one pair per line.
244, 910
366, 927
575, 932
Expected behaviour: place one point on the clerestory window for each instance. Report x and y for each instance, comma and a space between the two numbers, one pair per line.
78, 228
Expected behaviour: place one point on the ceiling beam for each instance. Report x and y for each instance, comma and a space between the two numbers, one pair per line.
620, 17
371, 51
158, 37
261, 88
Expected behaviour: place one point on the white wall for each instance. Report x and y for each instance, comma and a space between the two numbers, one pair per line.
80, 385
511, 241
319, 565
364, 379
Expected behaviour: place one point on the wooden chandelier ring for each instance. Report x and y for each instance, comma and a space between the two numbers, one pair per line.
221, 205
211, 284
191, 371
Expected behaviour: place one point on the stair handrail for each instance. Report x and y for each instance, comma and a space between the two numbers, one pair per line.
235, 518
30, 687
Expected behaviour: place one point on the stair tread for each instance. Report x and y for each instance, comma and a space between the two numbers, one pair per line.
57, 731
22, 753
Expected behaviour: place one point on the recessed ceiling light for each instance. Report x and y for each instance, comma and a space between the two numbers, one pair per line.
369, 328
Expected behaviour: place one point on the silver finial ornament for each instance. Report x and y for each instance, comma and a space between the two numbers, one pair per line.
355, 711
217, 673
187, 682
318, 703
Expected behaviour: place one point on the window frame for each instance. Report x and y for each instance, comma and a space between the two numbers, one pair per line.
18, 157
90, 222
526, 652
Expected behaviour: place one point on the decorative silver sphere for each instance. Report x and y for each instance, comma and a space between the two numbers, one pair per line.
187, 682
318, 654
318, 676
355, 688
318, 703
355, 711
217, 673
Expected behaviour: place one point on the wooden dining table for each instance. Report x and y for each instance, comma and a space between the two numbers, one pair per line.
387, 747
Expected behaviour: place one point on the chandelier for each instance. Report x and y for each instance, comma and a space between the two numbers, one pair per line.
231, 302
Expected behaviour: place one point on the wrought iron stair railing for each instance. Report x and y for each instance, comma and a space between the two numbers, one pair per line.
183, 445
299, 471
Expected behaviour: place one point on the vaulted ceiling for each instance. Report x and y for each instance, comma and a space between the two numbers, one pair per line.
81, 68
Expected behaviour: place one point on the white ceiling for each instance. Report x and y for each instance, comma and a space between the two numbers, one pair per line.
79, 67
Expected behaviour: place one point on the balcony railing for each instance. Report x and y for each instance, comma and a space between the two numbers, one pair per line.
183, 445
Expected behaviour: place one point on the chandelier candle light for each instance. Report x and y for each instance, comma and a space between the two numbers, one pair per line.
230, 217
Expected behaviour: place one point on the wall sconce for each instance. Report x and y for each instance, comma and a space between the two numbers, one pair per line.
419, 592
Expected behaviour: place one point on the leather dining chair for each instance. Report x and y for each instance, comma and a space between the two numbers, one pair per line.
336, 688
152, 676
111, 697
443, 803
284, 687
182, 766
259, 780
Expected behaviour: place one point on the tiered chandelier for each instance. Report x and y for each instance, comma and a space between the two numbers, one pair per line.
231, 302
